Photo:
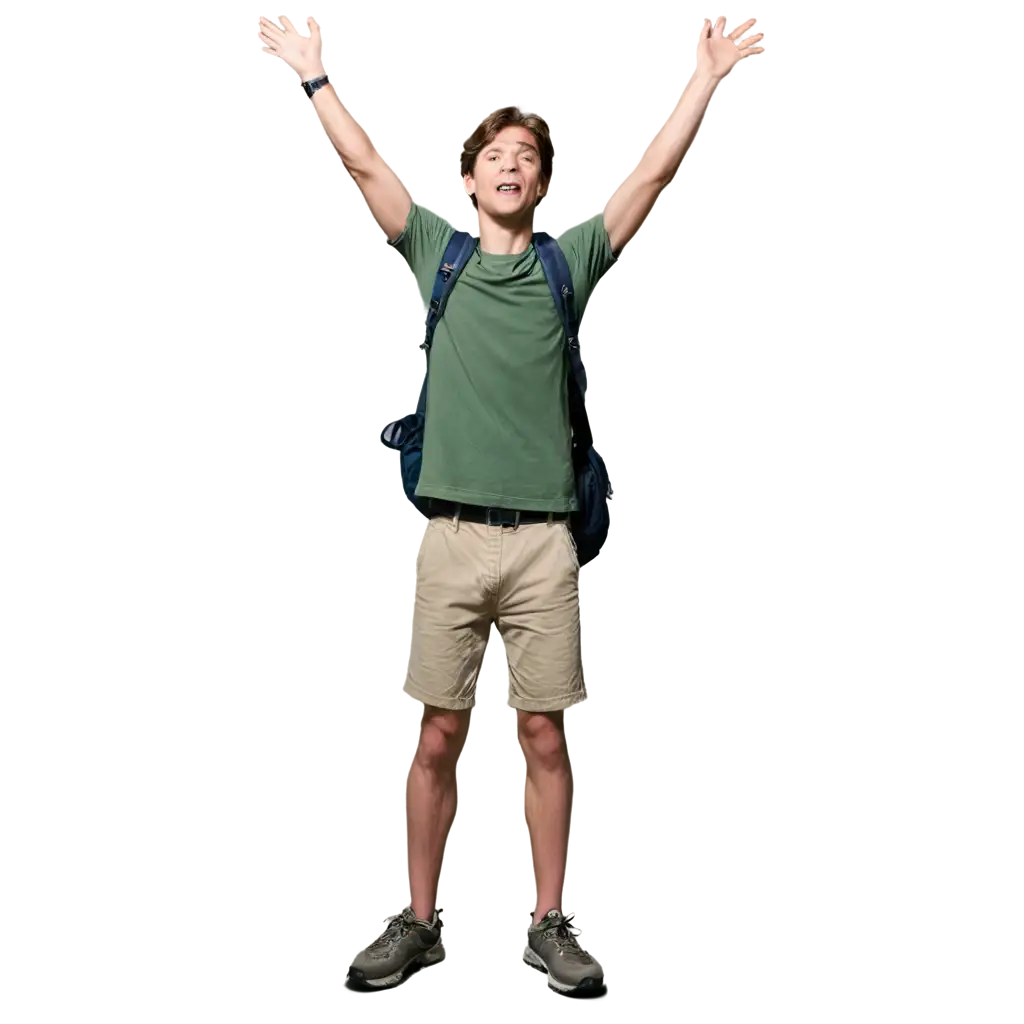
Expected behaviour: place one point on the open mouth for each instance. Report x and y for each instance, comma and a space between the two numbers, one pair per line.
509, 189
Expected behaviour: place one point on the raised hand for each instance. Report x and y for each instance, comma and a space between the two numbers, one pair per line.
717, 54
300, 53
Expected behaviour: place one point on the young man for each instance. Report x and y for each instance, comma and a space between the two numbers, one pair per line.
496, 462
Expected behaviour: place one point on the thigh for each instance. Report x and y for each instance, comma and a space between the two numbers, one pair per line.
451, 618
539, 617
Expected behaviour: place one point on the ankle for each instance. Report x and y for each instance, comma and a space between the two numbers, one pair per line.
417, 908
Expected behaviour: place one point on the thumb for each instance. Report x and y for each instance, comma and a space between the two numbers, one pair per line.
313, 25
704, 29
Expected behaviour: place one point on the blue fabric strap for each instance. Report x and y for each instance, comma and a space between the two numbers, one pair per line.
456, 255
559, 279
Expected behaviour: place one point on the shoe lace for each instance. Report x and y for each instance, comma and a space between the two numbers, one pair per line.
564, 936
397, 926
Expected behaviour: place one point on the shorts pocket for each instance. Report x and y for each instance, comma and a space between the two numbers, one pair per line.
420, 543
567, 531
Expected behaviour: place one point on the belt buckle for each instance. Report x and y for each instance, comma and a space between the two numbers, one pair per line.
506, 517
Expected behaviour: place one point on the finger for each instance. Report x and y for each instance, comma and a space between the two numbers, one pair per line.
737, 32
270, 28
720, 25
267, 39
748, 42
270, 45
747, 53
739, 39
313, 26
705, 29
289, 27
263, 45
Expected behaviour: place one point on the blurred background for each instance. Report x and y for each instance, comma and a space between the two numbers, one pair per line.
798, 773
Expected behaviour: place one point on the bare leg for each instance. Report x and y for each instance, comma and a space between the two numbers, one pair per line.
548, 802
430, 799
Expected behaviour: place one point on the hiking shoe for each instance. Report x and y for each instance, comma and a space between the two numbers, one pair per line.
551, 947
407, 944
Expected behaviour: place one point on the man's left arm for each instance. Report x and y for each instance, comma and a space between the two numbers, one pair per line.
717, 55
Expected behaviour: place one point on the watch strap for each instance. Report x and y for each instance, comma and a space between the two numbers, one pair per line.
313, 84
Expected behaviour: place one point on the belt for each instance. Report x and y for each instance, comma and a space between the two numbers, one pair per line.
490, 515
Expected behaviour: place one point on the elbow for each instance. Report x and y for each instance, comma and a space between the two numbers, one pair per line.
659, 165
359, 164
656, 179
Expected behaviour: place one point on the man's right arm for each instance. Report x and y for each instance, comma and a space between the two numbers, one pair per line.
384, 193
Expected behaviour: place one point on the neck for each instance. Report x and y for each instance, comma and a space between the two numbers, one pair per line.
506, 236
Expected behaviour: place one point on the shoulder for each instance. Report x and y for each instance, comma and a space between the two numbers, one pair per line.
423, 240
588, 239
423, 224
587, 248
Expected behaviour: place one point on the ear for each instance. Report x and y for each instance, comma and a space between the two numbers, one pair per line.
469, 184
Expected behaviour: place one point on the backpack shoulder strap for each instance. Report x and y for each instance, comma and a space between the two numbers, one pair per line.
456, 255
556, 270
559, 278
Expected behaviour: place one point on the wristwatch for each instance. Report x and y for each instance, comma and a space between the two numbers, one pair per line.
313, 84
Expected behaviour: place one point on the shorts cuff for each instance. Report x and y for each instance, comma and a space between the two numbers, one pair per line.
558, 704
448, 703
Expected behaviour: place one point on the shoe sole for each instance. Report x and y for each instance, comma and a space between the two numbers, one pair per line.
427, 958
587, 987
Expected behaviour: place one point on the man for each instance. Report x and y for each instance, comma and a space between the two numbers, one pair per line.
496, 464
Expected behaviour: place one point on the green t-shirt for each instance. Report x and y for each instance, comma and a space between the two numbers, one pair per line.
497, 422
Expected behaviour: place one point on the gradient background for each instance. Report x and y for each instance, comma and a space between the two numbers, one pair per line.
798, 775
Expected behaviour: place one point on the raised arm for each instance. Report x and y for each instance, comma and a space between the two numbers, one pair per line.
718, 54
386, 196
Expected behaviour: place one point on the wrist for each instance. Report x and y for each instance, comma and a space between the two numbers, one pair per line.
704, 79
303, 83
307, 74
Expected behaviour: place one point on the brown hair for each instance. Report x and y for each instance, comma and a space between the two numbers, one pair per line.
508, 117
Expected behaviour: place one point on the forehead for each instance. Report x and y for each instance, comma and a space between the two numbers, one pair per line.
512, 137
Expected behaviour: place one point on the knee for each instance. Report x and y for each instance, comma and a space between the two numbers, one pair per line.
542, 737
442, 736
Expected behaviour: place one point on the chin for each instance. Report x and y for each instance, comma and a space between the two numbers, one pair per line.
502, 209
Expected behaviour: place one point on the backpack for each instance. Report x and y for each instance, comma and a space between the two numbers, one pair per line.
589, 524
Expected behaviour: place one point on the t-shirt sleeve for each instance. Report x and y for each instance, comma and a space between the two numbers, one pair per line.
588, 251
422, 242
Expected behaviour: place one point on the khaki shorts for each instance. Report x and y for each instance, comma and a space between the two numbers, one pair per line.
525, 579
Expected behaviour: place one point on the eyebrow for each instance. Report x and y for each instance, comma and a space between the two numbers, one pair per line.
495, 145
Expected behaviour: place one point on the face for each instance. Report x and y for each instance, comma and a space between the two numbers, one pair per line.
511, 158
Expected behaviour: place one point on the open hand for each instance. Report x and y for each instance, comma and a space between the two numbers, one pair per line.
300, 53
717, 54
